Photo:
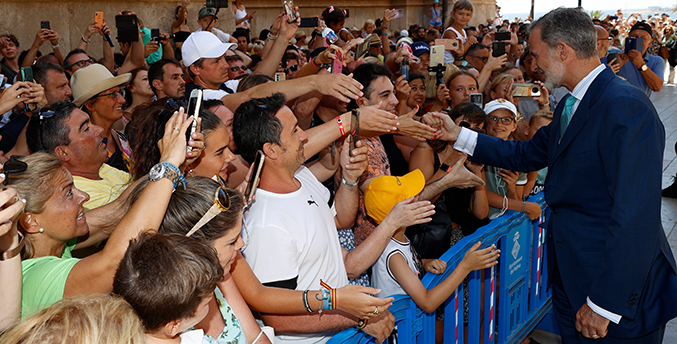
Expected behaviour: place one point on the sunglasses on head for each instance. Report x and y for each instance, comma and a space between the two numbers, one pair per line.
44, 113
221, 204
13, 165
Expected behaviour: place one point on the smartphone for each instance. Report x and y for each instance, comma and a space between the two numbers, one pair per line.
636, 43
448, 43
502, 36
476, 98
309, 22
362, 49
3, 80
155, 35
45, 25
289, 10
279, 76
526, 90
217, 3
354, 129
27, 75
612, 57
497, 49
98, 18
337, 64
404, 68
194, 104
128, 27
436, 56
399, 13
256, 174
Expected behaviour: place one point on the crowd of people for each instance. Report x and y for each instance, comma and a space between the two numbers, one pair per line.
366, 176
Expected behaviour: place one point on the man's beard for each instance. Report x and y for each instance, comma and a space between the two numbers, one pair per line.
554, 74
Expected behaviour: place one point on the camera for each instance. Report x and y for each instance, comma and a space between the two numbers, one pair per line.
217, 3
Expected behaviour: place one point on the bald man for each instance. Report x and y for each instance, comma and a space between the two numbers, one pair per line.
603, 48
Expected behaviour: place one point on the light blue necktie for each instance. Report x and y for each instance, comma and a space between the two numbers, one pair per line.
566, 115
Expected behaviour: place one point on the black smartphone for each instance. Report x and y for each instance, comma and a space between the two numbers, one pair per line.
502, 36
476, 98
612, 57
217, 3
497, 49
634, 43
155, 35
309, 22
355, 129
254, 180
45, 25
194, 104
128, 27
27, 75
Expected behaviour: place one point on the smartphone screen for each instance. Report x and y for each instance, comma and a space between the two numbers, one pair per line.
309, 22
476, 98
612, 57
26, 74
354, 129
194, 104
155, 35
45, 25
256, 174
502, 36
436, 56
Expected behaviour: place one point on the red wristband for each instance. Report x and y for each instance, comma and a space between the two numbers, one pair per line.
312, 62
340, 125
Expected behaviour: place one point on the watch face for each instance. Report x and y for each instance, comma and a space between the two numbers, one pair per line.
156, 172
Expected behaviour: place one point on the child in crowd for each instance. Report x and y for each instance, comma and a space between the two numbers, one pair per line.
335, 18
169, 280
460, 16
505, 188
398, 270
536, 179
368, 28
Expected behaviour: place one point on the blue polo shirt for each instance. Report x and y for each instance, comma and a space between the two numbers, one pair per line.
632, 75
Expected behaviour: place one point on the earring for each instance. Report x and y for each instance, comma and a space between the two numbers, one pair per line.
189, 173
41, 230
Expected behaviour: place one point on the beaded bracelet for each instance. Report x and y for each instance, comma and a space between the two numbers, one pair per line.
305, 301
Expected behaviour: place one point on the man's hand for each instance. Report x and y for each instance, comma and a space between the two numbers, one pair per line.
460, 177
495, 63
532, 210
40, 37
411, 128
150, 48
53, 37
591, 324
636, 57
90, 30
36, 94
287, 30
358, 301
409, 212
615, 67
380, 327
402, 89
373, 118
338, 85
388, 15
13, 96
354, 163
544, 98
446, 128
164, 38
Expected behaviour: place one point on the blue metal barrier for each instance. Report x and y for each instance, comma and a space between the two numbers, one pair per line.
515, 296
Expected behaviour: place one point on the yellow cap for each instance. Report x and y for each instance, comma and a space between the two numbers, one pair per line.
385, 191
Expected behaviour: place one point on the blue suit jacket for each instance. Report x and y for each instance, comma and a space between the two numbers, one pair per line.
604, 189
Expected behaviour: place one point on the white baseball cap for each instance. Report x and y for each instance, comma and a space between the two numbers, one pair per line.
499, 104
203, 44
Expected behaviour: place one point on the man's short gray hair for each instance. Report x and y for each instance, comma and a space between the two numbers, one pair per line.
571, 26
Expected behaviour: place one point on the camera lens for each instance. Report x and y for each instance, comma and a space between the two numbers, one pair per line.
534, 90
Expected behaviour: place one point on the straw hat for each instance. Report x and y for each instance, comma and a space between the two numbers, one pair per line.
92, 80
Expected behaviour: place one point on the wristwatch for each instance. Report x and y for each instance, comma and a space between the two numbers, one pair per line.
643, 68
167, 170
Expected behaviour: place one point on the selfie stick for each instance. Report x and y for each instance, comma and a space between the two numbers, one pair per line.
439, 72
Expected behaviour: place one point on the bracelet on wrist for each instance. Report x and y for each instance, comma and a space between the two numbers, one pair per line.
340, 125
85, 40
523, 204
56, 46
272, 36
305, 301
312, 62
361, 324
11, 253
345, 182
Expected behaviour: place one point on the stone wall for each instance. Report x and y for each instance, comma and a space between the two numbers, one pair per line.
71, 17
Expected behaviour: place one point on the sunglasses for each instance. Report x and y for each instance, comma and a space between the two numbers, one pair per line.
236, 68
44, 113
610, 39
113, 95
13, 165
504, 121
293, 68
221, 204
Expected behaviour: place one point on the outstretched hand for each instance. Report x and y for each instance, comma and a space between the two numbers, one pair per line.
476, 259
409, 212
446, 128
411, 128
358, 301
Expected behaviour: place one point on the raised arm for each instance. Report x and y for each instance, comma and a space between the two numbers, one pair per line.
10, 269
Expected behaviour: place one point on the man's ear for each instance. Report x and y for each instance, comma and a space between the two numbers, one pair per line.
63, 153
193, 68
271, 150
157, 84
362, 101
172, 328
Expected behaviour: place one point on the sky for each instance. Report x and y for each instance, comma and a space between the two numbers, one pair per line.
520, 6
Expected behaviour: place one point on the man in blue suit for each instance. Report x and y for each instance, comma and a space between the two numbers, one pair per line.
614, 275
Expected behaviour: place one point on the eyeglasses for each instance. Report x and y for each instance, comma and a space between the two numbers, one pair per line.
293, 68
504, 121
113, 95
236, 68
82, 63
221, 204
13, 165
610, 39
482, 58
44, 113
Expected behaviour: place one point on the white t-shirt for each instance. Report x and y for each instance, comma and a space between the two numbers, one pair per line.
224, 37
294, 234
382, 278
448, 56
193, 337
